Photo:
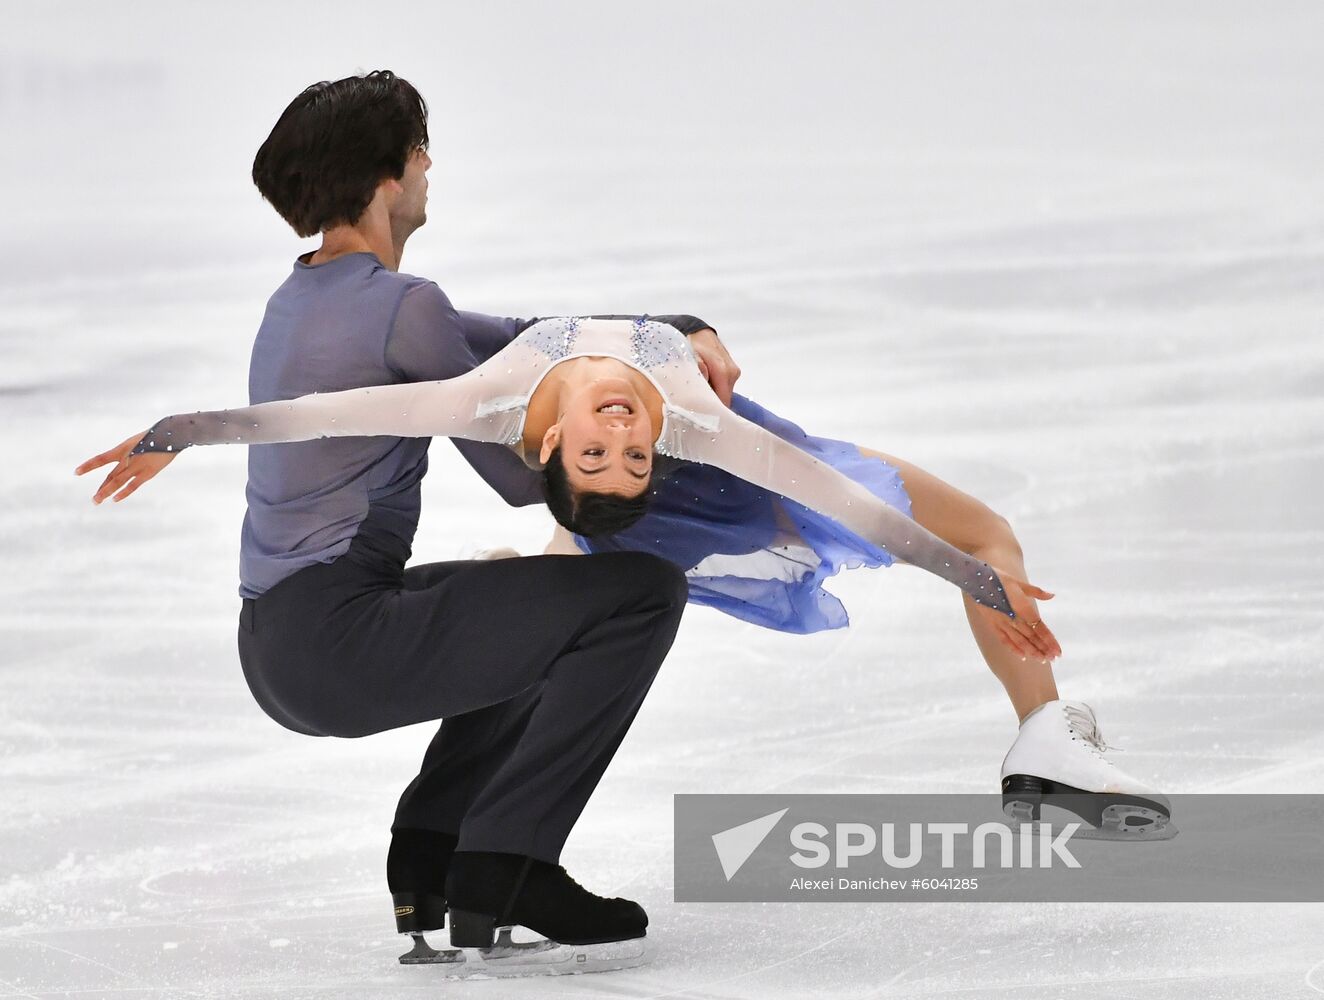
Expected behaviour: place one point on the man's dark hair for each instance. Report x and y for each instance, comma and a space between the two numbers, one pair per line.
588, 514
334, 144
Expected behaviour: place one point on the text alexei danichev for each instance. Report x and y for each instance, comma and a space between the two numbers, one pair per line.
842, 884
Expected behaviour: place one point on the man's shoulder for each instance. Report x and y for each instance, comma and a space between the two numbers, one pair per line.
402, 279
410, 294
420, 287
422, 301
385, 281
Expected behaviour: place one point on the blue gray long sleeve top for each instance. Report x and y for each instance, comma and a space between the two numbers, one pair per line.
348, 323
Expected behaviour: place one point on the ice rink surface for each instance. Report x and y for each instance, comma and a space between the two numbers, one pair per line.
1070, 259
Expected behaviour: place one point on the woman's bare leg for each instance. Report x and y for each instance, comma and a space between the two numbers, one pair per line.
971, 526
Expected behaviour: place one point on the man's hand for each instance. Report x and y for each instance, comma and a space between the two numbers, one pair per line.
718, 367
130, 472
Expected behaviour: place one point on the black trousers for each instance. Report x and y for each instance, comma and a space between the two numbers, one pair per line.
537, 667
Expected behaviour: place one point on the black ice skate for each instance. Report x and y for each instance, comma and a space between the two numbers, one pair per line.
489, 894
416, 869
1057, 760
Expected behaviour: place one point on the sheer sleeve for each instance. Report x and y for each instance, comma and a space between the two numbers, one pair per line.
456, 407
754, 454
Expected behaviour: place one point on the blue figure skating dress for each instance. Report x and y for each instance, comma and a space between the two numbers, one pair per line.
755, 554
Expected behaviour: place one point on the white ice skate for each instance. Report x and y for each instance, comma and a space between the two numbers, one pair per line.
1057, 760
538, 957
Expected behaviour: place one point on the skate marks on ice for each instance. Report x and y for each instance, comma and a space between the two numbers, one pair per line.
1315, 977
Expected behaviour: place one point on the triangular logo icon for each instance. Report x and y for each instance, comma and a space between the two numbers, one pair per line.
734, 846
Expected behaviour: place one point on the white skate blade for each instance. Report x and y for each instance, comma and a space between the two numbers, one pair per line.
508, 959
1129, 822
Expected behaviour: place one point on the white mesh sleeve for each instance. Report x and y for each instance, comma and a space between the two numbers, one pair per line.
445, 408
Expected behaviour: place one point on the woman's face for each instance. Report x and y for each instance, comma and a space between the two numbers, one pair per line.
606, 439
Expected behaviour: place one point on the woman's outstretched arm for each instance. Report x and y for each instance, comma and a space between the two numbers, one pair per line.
447, 407
443, 408
758, 456
451, 407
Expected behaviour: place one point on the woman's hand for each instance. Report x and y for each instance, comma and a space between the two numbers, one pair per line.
717, 365
130, 472
1016, 633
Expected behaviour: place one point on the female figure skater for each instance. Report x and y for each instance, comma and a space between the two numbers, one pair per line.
755, 511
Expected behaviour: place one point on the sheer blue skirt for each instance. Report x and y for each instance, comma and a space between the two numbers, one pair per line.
753, 554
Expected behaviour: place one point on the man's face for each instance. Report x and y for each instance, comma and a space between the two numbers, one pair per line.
409, 211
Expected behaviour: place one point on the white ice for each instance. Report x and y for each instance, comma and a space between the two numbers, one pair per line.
1070, 258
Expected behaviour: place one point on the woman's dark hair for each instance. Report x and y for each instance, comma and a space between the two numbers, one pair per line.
334, 144
588, 514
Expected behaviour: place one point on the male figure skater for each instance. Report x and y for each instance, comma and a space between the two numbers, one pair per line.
537, 665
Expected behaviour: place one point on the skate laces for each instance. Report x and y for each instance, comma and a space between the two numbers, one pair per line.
1082, 721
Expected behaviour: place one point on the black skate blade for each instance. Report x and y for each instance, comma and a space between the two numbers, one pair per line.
509, 959
424, 954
